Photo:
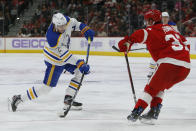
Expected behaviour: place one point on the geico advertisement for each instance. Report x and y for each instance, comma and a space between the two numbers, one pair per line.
25, 43
76, 44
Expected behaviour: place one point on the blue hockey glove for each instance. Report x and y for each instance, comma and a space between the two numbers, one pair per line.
86, 31
83, 67
89, 33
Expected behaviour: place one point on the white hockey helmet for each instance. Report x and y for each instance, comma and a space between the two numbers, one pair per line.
59, 19
165, 14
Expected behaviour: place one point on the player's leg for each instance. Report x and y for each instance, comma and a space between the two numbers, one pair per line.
51, 78
152, 68
155, 108
150, 91
70, 91
165, 77
178, 74
74, 83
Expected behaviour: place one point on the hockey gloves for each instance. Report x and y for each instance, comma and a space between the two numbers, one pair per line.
124, 44
83, 67
86, 31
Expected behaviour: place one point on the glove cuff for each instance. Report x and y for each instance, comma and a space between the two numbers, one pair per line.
79, 64
85, 29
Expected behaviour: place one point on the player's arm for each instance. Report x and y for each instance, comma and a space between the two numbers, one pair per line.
139, 36
53, 38
85, 30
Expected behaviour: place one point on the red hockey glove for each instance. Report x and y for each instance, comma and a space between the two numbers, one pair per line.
122, 44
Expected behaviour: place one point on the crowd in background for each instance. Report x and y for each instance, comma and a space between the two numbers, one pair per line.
9, 11
109, 17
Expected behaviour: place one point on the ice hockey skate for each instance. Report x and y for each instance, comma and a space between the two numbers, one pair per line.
75, 105
135, 114
151, 116
13, 103
67, 101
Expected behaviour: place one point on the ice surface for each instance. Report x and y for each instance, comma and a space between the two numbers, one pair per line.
106, 95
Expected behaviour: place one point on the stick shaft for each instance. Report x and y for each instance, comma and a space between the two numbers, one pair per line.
129, 71
130, 77
115, 48
87, 56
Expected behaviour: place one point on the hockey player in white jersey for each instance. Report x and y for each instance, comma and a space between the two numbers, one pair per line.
57, 59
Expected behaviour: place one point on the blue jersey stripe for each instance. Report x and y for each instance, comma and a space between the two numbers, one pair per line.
68, 58
75, 82
34, 92
72, 88
28, 95
64, 53
54, 57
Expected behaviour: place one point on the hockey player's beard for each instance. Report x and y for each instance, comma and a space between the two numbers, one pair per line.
61, 29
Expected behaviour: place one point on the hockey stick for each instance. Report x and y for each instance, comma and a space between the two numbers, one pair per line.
69, 107
129, 72
115, 48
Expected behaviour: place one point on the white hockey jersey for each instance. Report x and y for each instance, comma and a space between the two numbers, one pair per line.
57, 50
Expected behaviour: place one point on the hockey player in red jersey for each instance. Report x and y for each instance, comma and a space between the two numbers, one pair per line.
171, 51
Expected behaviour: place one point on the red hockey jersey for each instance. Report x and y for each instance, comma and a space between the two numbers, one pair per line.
164, 44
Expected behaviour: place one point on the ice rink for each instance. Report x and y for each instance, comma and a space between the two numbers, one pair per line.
105, 94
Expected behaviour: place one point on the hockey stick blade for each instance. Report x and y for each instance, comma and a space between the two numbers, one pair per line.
65, 112
115, 48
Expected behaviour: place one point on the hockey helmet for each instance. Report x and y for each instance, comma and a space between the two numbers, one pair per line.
155, 15
59, 19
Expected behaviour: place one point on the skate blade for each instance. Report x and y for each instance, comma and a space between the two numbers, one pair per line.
76, 108
61, 113
147, 121
132, 123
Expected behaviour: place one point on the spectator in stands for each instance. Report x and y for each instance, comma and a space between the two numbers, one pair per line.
2, 21
13, 15
113, 17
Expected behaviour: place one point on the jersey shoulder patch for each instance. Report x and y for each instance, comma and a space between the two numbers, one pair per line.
52, 36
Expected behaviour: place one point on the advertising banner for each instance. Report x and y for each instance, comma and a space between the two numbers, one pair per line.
100, 44
1, 44
77, 44
103, 44
192, 41
25, 43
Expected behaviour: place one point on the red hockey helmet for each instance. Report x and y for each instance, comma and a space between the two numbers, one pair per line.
155, 15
